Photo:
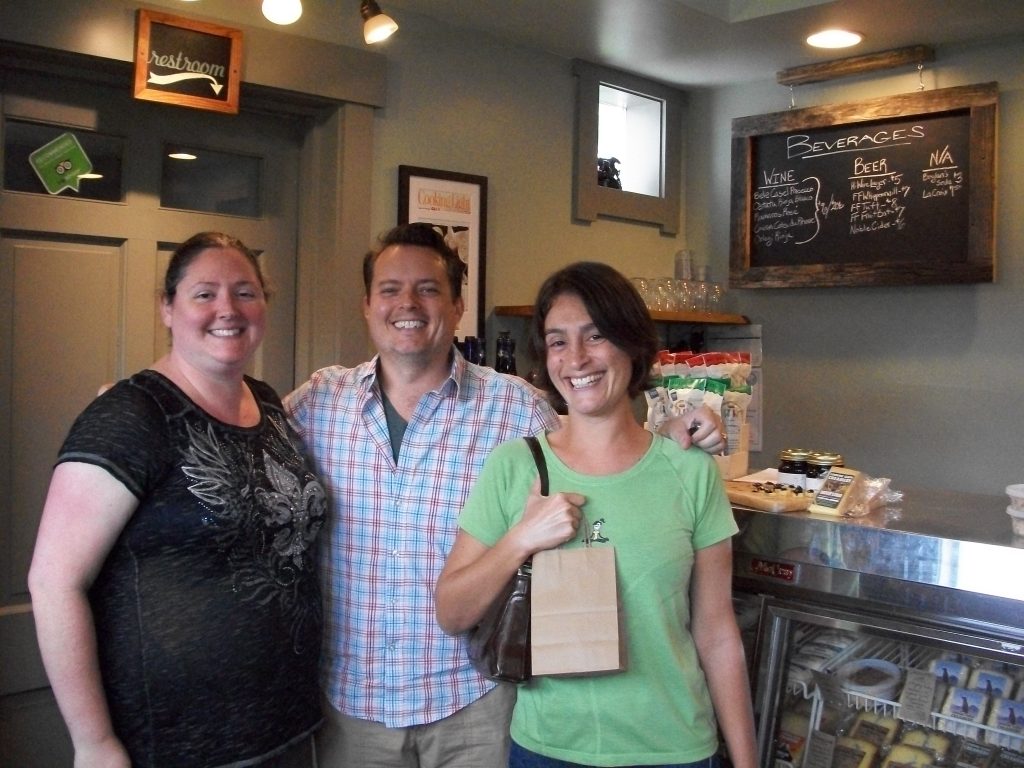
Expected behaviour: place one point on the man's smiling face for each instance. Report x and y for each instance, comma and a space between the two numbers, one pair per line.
410, 312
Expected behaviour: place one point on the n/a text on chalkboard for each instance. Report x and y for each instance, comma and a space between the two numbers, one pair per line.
851, 198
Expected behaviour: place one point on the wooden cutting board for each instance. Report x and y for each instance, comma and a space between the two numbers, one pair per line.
743, 494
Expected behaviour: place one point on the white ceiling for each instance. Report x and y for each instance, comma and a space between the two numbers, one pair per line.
694, 43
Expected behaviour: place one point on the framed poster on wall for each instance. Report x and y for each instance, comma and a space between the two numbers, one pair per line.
456, 204
186, 62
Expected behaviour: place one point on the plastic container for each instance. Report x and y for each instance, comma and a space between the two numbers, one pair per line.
1017, 516
877, 678
1016, 494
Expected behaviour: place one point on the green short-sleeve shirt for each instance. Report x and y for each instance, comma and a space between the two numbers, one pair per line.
656, 515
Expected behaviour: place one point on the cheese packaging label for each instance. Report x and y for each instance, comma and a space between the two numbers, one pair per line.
837, 492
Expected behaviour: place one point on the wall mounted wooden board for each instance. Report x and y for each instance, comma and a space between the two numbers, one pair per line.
893, 191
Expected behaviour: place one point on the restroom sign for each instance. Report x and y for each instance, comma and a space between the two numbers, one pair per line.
186, 62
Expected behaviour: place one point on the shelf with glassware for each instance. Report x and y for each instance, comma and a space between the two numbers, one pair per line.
658, 315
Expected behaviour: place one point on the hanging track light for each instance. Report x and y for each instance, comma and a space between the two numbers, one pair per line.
377, 25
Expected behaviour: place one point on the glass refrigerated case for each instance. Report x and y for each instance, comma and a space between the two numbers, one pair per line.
892, 640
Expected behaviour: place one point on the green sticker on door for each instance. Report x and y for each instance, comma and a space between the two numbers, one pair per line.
60, 164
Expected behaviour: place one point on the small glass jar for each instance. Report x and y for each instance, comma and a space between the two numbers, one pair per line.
818, 465
793, 467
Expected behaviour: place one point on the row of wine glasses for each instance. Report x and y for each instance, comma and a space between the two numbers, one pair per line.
668, 294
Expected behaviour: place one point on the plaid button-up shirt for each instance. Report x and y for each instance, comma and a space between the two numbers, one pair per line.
392, 525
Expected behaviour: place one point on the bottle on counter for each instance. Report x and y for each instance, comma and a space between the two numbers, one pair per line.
481, 351
683, 265
469, 349
818, 465
505, 354
793, 467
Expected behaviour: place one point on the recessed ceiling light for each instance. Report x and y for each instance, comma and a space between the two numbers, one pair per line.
282, 11
834, 38
181, 155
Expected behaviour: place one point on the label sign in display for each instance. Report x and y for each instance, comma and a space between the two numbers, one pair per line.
824, 198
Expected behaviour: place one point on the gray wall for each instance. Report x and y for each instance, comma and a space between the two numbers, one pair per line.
920, 384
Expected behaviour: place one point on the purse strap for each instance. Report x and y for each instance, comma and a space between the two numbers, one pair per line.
542, 470
542, 465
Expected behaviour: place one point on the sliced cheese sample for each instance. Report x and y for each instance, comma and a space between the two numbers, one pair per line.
975, 755
950, 671
905, 755
938, 744
967, 705
853, 753
991, 683
880, 730
1007, 716
792, 737
837, 493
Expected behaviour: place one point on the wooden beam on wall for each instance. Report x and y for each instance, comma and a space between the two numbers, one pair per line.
855, 65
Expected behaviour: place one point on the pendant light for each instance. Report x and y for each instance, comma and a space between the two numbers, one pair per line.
377, 25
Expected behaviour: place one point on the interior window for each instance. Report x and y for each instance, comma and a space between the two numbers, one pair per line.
57, 160
214, 181
628, 148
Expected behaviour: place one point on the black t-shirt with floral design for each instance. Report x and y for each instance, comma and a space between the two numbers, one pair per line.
207, 609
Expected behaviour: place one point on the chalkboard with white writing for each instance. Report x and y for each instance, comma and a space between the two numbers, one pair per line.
893, 191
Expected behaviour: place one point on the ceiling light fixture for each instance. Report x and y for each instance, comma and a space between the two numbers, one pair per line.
282, 11
377, 25
834, 38
181, 155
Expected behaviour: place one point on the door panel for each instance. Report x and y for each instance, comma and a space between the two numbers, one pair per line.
66, 320
78, 308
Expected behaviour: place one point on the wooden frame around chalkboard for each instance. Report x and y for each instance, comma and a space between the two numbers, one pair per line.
978, 264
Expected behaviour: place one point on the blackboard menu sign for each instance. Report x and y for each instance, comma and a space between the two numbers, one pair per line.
187, 62
892, 191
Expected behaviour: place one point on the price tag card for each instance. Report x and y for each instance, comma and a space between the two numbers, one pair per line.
917, 696
819, 750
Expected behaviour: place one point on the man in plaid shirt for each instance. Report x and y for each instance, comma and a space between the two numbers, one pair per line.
399, 441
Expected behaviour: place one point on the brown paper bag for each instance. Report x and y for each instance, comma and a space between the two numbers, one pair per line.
574, 613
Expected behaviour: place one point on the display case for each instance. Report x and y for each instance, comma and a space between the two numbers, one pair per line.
895, 639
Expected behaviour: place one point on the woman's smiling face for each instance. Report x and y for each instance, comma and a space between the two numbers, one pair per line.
590, 373
217, 315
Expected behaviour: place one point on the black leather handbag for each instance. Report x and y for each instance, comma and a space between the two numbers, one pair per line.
499, 646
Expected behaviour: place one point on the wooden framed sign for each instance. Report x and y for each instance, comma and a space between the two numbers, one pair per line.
191, 63
893, 191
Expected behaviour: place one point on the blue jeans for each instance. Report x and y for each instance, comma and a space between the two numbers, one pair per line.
524, 758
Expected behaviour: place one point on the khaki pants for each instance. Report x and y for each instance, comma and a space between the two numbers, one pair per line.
474, 737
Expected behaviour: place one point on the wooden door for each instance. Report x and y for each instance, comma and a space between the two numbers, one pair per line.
79, 277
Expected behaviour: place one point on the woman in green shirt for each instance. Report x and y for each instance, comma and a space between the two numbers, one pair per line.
665, 512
